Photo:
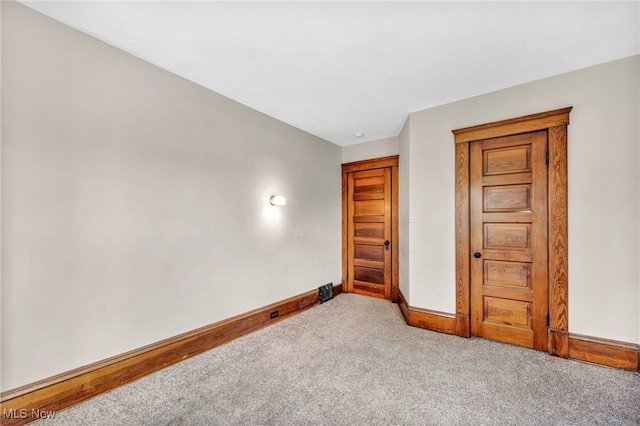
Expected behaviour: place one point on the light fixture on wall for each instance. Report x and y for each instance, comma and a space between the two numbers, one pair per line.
277, 200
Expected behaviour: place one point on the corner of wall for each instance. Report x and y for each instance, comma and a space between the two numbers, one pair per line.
404, 148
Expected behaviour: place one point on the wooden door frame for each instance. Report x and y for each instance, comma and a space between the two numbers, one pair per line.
357, 166
555, 122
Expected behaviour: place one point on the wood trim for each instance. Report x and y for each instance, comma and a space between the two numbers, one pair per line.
607, 352
558, 240
376, 163
463, 241
404, 306
431, 320
395, 240
358, 166
513, 126
345, 238
66, 389
463, 325
558, 230
558, 343
555, 122
337, 289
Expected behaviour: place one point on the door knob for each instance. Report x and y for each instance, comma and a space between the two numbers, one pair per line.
386, 245
477, 255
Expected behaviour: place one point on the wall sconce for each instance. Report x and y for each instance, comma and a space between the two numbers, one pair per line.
277, 200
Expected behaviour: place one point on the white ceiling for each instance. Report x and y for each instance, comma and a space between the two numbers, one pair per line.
336, 69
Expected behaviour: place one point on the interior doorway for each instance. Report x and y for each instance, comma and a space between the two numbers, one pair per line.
370, 227
555, 336
508, 215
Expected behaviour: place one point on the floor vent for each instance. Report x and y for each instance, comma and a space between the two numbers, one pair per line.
325, 293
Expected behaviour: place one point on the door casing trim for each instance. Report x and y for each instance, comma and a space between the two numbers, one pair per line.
555, 122
356, 166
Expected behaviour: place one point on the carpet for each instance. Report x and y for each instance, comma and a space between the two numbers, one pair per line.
354, 361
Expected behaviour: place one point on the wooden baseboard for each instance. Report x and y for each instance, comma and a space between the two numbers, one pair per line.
558, 343
337, 289
611, 353
28, 403
404, 306
430, 320
463, 326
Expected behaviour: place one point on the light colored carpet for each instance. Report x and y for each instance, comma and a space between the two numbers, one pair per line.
353, 361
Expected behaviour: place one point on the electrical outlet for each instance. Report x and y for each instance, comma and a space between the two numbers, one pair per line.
273, 315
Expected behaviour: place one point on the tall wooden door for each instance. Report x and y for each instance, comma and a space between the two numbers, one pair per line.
369, 232
508, 212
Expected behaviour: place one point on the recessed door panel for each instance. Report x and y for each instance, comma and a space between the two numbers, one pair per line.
509, 160
508, 312
369, 208
370, 185
370, 275
514, 198
507, 274
507, 236
366, 229
369, 252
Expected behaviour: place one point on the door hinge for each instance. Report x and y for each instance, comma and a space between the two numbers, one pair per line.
546, 156
548, 321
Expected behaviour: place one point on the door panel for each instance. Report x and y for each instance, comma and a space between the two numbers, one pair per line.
369, 275
508, 312
507, 160
507, 198
369, 207
371, 252
369, 226
375, 230
508, 212
507, 274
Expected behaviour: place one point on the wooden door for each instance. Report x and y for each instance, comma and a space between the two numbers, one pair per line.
508, 212
369, 232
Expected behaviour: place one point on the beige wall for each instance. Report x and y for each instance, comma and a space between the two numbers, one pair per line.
368, 150
135, 203
603, 163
